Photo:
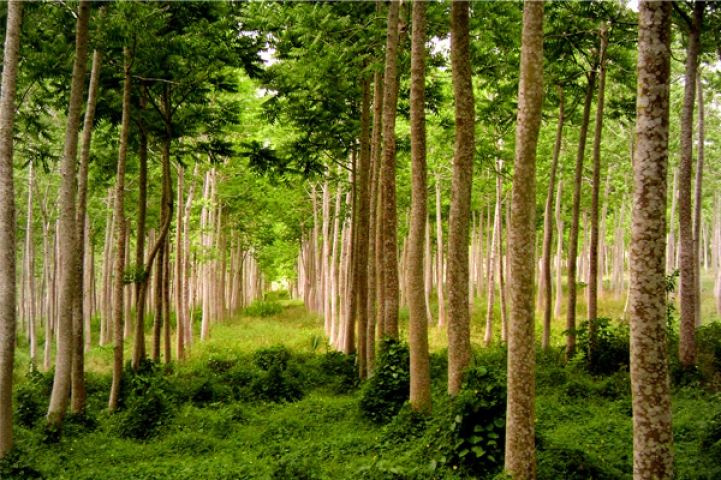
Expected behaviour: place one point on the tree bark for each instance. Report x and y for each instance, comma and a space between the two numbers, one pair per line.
388, 177
459, 333
653, 433
520, 427
7, 223
420, 395
68, 229
593, 276
698, 200
687, 280
439, 256
119, 266
546, 283
573, 234
559, 253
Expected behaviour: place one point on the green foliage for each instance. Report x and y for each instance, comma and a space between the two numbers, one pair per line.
267, 358
389, 387
334, 370
261, 308
471, 434
611, 350
569, 463
295, 467
147, 403
14, 466
32, 397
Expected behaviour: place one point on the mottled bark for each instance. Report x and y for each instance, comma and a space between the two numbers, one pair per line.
119, 264
420, 395
520, 428
7, 223
652, 429
698, 200
593, 276
67, 234
388, 177
546, 286
687, 279
440, 292
459, 333
573, 234
80, 302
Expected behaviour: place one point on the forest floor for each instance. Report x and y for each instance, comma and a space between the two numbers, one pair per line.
245, 407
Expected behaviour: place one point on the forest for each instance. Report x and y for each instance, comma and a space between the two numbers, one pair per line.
373, 240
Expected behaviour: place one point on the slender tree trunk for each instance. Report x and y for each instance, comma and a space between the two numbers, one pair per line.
573, 234
140, 272
179, 279
420, 395
187, 318
29, 269
520, 427
593, 276
459, 334
493, 264
68, 229
439, 256
388, 177
7, 222
119, 266
559, 253
698, 200
688, 281
652, 428
671, 242
547, 291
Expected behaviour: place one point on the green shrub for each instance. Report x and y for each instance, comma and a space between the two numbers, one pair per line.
278, 356
612, 348
471, 434
32, 397
261, 308
570, 463
13, 466
334, 370
388, 389
147, 403
278, 385
295, 467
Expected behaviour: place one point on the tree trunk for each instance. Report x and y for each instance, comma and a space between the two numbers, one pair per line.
7, 220
119, 266
688, 281
68, 229
439, 256
652, 429
179, 278
593, 276
29, 269
573, 234
698, 201
493, 264
520, 427
547, 286
459, 333
559, 253
420, 395
388, 178
141, 281
671, 242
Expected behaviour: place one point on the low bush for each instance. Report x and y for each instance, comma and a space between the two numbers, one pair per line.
261, 308
471, 435
611, 350
388, 389
32, 397
570, 463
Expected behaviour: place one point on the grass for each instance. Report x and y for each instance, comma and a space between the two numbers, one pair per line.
214, 431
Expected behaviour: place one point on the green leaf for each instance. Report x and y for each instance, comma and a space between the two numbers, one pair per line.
463, 453
478, 451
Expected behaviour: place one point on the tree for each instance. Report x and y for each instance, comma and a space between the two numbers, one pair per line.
459, 335
67, 233
688, 283
420, 364
520, 416
7, 223
653, 434
389, 302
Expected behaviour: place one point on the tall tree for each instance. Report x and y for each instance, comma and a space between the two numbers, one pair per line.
418, 329
119, 265
390, 301
459, 330
7, 223
520, 416
67, 233
688, 282
652, 429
